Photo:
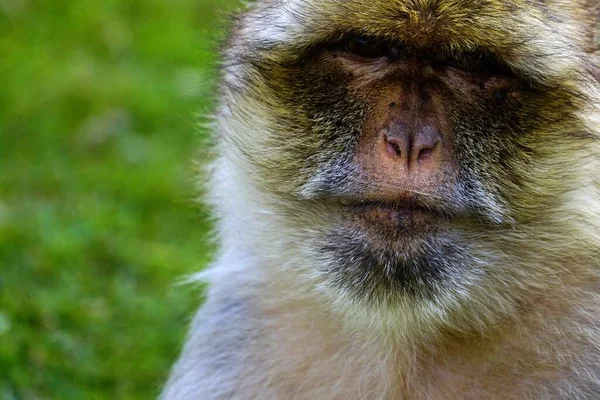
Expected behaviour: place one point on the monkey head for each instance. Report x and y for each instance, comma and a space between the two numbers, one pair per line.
421, 159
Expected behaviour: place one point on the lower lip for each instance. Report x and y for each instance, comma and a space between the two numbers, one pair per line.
390, 211
381, 213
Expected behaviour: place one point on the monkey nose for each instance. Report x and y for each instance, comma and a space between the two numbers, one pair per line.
413, 148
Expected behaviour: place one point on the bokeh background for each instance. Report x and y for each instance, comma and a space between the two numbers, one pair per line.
100, 103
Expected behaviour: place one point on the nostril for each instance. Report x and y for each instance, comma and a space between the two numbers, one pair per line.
393, 148
426, 152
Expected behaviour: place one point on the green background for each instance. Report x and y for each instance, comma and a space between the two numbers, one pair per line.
100, 103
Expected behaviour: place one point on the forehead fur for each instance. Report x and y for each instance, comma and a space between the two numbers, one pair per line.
546, 39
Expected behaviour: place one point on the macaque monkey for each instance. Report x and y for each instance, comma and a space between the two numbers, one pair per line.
407, 197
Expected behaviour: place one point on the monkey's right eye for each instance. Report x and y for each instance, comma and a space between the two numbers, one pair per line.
367, 48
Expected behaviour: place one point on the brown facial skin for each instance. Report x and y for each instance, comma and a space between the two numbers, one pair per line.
407, 145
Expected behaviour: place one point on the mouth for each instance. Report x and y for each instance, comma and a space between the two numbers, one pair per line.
396, 216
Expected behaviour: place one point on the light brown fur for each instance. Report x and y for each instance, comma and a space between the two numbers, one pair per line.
521, 321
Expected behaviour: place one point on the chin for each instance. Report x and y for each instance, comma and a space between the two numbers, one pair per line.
382, 251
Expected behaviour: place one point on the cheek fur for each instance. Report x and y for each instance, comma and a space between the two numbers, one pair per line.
316, 129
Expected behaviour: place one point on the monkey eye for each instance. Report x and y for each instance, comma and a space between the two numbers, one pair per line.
476, 62
367, 48
472, 62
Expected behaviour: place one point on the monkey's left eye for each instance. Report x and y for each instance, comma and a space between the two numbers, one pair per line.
367, 48
476, 62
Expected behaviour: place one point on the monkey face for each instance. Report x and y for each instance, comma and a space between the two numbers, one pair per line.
406, 136
410, 167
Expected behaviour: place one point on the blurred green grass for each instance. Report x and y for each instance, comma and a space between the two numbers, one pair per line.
99, 102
